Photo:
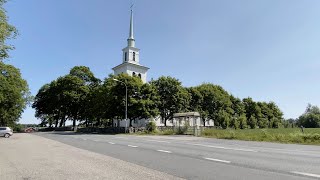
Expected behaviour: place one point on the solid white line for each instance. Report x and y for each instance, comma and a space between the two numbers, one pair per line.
158, 141
111, 143
218, 160
132, 146
220, 147
164, 151
306, 174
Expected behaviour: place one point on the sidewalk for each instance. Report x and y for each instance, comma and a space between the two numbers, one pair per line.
29, 157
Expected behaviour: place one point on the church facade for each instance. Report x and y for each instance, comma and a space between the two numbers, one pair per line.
131, 58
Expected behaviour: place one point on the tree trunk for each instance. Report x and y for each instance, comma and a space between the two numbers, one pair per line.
56, 123
74, 124
204, 122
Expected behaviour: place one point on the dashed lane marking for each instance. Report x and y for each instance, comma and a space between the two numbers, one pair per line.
164, 151
217, 160
306, 174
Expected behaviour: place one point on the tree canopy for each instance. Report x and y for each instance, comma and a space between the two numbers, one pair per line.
14, 94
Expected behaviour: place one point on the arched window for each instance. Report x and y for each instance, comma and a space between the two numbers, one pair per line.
125, 56
134, 56
139, 75
133, 74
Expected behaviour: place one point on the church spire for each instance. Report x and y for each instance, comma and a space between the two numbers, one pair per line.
131, 42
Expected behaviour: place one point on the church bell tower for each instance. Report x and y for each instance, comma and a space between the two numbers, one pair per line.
130, 58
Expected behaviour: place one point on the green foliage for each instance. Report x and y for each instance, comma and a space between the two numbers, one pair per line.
212, 100
65, 98
252, 122
7, 31
290, 135
311, 117
14, 94
243, 122
151, 127
173, 97
79, 96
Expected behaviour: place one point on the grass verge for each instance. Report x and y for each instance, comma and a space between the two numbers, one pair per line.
282, 135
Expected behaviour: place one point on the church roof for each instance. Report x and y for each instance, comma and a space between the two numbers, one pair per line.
130, 64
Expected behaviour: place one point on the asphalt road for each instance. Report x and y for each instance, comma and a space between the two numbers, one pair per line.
202, 158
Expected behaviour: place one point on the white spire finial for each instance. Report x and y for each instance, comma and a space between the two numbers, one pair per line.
131, 38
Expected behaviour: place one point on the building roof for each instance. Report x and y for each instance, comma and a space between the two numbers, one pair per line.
126, 63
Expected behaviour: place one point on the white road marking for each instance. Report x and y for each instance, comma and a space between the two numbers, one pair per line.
111, 143
121, 137
220, 147
157, 141
84, 139
217, 160
164, 151
132, 146
306, 174
96, 140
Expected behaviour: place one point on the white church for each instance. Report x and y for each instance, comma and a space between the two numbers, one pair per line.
130, 58
131, 66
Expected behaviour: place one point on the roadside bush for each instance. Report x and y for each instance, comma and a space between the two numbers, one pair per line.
151, 127
168, 132
17, 128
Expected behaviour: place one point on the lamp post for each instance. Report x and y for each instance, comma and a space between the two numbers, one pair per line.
126, 112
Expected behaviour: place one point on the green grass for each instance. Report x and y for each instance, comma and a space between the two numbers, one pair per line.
282, 135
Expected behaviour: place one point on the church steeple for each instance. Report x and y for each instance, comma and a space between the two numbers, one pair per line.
131, 42
130, 60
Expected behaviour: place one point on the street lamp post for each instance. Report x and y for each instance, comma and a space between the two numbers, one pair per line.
126, 112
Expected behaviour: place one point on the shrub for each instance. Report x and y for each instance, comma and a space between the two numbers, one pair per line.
151, 127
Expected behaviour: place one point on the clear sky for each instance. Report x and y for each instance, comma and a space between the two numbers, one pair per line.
266, 49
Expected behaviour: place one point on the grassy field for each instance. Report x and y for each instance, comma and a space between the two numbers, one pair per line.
282, 135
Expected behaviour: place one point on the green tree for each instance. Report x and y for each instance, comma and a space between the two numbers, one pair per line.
7, 31
253, 112
214, 99
14, 94
252, 122
242, 121
142, 98
237, 120
173, 97
311, 117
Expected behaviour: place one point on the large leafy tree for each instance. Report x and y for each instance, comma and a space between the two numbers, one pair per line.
215, 104
238, 119
310, 118
7, 31
173, 97
253, 112
66, 98
142, 98
14, 94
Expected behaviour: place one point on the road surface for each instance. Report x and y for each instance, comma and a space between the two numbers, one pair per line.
203, 158
31, 157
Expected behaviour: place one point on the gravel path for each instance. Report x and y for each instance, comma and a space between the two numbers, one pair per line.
28, 157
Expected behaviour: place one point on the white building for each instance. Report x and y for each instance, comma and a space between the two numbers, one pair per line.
131, 66
130, 58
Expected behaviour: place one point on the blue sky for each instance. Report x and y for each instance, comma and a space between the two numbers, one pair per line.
267, 49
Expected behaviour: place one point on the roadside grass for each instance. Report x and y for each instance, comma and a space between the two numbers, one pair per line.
281, 135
